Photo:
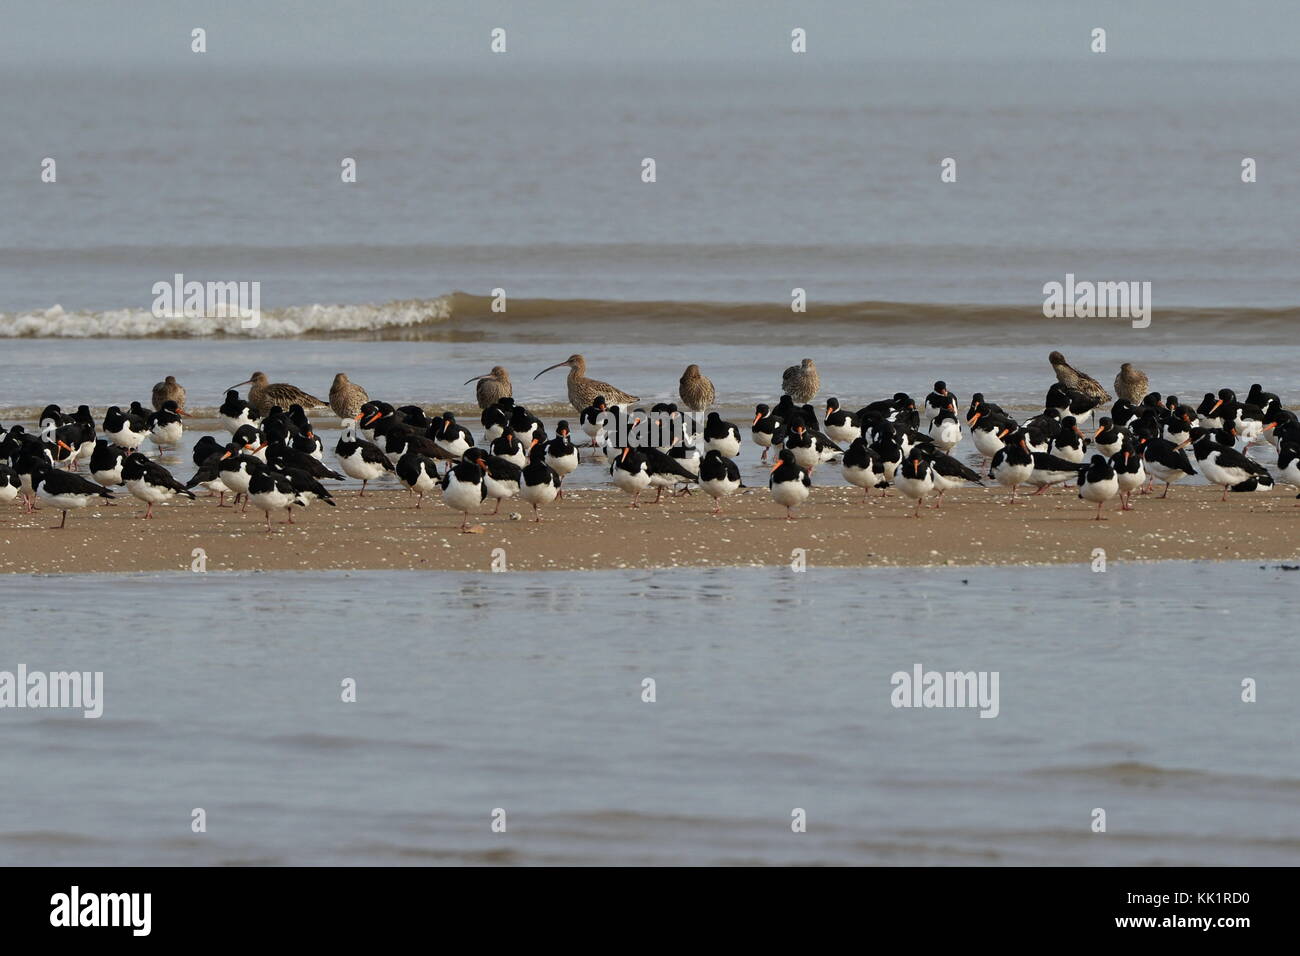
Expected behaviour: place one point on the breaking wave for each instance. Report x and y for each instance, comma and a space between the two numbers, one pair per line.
430, 318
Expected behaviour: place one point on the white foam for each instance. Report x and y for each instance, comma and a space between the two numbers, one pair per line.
56, 322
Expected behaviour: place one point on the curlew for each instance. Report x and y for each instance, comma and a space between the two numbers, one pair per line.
263, 395
346, 397
1131, 384
492, 387
696, 391
584, 391
168, 390
1071, 377
801, 382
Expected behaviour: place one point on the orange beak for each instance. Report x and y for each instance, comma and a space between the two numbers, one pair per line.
371, 418
756, 418
1098, 432
776, 466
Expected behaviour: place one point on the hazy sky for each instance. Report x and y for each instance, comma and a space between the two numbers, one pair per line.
403, 32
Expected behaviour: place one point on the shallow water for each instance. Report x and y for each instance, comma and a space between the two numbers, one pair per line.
523, 691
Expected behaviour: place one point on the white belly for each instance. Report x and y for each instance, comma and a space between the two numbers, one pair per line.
538, 494
147, 492
271, 500
63, 502
789, 493
167, 434
462, 496
914, 488
564, 464
720, 487
631, 483
356, 467
987, 443
1099, 491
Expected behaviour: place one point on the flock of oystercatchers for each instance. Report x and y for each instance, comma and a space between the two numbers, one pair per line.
274, 458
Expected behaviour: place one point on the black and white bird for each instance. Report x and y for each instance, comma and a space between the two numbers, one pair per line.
940, 400
463, 488
1224, 465
561, 454
124, 430
841, 427
234, 412
106, 463
539, 482
507, 446
1165, 461
418, 473
359, 458
914, 479
208, 456
271, 490
862, 466
721, 436
719, 477
236, 469
766, 430
451, 437
1051, 470
150, 482
948, 473
64, 490
1097, 483
1129, 474
789, 484
629, 472
9, 483
501, 478
166, 426
1288, 466
1013, 464
945, 430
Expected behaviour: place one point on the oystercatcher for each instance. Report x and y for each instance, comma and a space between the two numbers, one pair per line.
788, 483
719, 477
150, 482
64, 490
1097, 483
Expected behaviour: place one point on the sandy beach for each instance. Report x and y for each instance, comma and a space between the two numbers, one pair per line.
595, 529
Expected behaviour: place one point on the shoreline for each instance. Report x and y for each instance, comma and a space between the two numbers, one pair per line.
594, 529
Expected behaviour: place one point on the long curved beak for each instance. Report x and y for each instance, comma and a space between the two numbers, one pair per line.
545, 370
479, 378
240, 385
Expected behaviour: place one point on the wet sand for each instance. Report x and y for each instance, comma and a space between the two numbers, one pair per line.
595, 529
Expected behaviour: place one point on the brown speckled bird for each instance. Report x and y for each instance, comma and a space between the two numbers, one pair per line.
696, 391
263, 395
583, 390
1071, 377
1131, 384
801, 382
346, 398
168, 390
492, 387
